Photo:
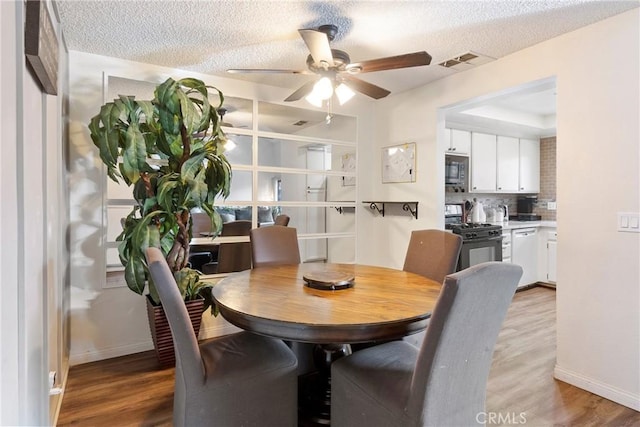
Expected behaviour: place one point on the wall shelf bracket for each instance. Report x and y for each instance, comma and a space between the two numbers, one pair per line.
374, 205
411, 207
407, 207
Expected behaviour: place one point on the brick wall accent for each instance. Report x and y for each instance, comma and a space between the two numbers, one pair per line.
547, 178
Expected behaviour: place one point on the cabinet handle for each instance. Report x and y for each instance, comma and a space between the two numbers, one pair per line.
499, 188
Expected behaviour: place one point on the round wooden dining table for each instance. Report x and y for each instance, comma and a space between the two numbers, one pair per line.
382, 304
368, 304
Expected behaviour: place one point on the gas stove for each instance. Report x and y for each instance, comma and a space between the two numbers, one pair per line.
474, 231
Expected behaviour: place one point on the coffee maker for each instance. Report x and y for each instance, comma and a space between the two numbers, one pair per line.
525, 208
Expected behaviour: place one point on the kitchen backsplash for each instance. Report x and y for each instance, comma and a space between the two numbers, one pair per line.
547, 187
547, 178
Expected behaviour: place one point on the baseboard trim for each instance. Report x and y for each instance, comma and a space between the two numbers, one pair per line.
109, 353
596, 387
55, 401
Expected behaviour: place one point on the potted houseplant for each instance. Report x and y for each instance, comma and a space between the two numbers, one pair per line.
170, 151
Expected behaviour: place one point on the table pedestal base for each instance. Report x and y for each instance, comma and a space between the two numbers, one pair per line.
314, 389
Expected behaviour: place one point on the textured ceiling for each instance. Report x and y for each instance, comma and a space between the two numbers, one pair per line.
212, 36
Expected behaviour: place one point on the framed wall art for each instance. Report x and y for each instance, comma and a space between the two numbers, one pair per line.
399, 163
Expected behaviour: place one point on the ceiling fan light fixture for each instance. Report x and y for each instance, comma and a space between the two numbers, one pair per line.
323, 88
344, 93
314, 99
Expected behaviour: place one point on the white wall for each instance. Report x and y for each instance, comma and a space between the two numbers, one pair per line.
34, 218
598, 295
109, 320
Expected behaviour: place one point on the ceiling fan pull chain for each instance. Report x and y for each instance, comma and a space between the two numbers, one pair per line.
329, 110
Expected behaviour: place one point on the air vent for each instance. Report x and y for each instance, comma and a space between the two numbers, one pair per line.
465, 61
301, 123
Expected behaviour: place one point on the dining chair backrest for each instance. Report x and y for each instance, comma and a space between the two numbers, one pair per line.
231, 257
282, 220
186, 347
450, 378
275, 245
201, 223
432, 253
236, 228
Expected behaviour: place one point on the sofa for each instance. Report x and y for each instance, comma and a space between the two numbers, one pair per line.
266, 214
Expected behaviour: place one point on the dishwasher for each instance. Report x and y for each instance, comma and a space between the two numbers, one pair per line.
524, 252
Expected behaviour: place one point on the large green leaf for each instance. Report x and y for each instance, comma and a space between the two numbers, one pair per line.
202, 102
190, 114
169, 121
166, 186
166, 96
134, 274
134, 157
147, 110
192, 166
199, 188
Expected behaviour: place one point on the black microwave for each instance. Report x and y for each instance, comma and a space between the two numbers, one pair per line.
455, 171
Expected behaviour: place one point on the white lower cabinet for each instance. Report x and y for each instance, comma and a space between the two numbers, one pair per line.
506, 246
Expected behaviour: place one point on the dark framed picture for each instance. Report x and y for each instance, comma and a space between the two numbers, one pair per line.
41, 45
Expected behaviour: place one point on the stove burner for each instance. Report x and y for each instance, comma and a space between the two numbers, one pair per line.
474, 231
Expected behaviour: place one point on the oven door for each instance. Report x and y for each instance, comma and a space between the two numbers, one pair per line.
478, 251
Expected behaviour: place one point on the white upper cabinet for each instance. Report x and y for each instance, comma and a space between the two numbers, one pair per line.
460, 141
529, 166
503, 164
483, 163
508, 153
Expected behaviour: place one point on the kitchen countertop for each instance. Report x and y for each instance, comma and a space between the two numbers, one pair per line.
512, 225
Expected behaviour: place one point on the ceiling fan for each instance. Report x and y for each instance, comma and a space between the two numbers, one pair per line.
336, 69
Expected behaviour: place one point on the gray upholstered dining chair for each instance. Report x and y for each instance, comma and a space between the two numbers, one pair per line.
275, 245
237, 379
433, 254
444, 382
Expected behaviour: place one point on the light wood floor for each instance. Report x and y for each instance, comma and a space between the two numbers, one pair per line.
131, 391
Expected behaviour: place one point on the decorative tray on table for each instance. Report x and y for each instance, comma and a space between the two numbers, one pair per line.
328, 280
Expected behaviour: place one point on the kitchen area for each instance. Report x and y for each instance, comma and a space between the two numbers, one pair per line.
500, 182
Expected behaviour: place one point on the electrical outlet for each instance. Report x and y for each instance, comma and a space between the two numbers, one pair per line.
551, 206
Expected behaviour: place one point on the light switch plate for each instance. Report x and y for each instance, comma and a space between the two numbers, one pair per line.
629, 222
551, 206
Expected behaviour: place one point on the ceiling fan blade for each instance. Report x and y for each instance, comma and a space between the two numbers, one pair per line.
265, 71
304, 90
415, 59
318, 44
366, 88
